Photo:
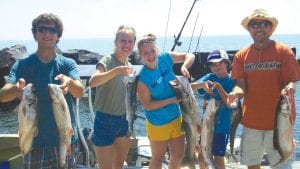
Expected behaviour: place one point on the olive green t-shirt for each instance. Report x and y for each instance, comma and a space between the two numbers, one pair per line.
110, 96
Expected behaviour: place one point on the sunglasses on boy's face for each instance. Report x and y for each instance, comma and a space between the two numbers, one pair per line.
256, 25
44, 29
212, 65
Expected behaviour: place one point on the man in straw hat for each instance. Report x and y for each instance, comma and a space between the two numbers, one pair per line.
263, 71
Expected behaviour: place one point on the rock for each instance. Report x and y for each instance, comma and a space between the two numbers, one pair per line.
82, 56
8, 56
135, 59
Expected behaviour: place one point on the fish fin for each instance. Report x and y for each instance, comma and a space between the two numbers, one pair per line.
71, 131
36, 132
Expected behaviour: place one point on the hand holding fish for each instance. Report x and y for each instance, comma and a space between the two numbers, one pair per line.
125, 70
208, 87
20, 86
288, 89
65, 82
185, 72
232, 100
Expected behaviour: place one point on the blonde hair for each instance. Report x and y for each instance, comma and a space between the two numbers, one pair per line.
148, 38
126, 29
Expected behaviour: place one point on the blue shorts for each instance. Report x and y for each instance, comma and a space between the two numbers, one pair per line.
107, 127
220, 144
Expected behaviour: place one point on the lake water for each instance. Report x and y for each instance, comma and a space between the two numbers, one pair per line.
8, 120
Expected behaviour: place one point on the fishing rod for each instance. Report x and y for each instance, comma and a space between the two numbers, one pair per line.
176, 41
193, 32
199, 39
167, 24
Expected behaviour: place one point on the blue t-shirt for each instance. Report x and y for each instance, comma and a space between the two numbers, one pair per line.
40, 75
222, 120
157, 81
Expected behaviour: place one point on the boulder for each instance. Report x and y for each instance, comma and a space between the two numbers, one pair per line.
135, 59
8, 56
82, 56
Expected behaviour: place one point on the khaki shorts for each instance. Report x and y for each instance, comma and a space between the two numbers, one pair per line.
255, 143
164, 132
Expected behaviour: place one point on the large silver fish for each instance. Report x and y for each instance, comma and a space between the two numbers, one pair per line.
131, 102
190, 113
28, 119
236, 118
63, 120
283, 139
207, 131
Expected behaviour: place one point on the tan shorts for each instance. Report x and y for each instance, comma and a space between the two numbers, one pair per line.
255, 143
164, 132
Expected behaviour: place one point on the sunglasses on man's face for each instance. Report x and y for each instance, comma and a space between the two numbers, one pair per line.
256, 25
44, 29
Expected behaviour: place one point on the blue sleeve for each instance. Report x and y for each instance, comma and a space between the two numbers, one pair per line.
70, 68
13, 74
73, 70
166, 58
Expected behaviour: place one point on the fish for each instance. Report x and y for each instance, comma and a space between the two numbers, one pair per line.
62, 119
207, 131
28, 119
131, 102
283, 139
191, 118
236, 118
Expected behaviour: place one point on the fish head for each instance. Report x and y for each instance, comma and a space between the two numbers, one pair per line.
28, 94
176, 86
55, 91
130, 80
182, 87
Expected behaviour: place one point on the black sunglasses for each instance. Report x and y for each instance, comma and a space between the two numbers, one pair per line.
211, 64
255, 25
44, 29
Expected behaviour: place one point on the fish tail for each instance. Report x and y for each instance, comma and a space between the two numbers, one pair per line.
62, 155
234, 157
278, 162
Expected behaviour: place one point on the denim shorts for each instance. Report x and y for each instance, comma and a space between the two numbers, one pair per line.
108, 127
220, 141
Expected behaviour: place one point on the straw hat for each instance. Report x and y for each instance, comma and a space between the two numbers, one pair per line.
260, 14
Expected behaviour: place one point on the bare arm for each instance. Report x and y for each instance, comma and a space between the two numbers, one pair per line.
222, 92
240, 89
144, 95
10, 91
187, 59
75, 87
237, 92
203, 85
100, 76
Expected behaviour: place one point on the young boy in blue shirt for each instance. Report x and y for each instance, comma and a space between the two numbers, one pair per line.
216, 85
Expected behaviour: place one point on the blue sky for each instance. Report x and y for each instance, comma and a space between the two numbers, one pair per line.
100, 18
